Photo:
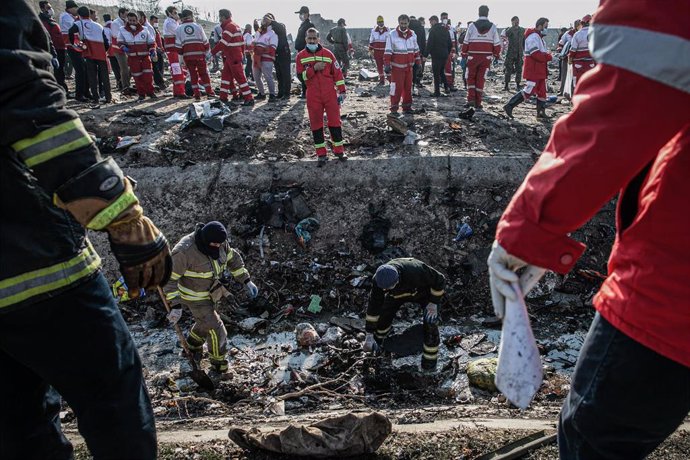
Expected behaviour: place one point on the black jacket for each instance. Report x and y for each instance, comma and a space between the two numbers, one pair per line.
439, 44
35, 234
301, 40
417, 280
283, 46
418, 29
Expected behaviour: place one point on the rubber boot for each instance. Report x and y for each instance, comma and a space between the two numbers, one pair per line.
514, 101
541, 110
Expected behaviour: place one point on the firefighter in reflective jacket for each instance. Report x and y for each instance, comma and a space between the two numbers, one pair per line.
203, 262
53, 186
398, 282
231, 44
322, 75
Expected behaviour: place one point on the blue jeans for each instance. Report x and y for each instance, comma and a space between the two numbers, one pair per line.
624, 400
76, 345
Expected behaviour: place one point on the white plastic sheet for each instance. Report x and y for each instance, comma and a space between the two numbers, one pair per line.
519, 373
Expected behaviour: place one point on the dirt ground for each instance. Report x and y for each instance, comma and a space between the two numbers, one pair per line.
268, 365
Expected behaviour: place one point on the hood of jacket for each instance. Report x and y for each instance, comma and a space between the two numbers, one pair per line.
483, 25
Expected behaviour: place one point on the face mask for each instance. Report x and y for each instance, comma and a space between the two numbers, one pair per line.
301, 17
133, 27
51, 13
444, 21
403, 28
312, 47
380, 24
155, 25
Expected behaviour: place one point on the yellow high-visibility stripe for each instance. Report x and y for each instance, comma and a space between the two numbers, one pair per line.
372, 319
428, 349
404, 294
339, 82
52, 142
175, 276
432, 357
437, 293
202, 275
384, 331
172, 295
239, 272
196, 337
22, 287
107, 215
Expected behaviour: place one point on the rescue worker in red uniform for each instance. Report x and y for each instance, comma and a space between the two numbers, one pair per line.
95, 45
47, 17
377, 46
192, 44
321, 72
534, 71
400, 56
176, 70
231, 44
54, 184
138, 44
449, 70
629, 390
481, 46
579, 56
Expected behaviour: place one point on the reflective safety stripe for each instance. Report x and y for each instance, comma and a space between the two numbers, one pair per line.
431, 357
215, 346
404, 294
193, 296
196, 337
372, 318
304, 76
339, 82
320, 146
428, 349
307, 59
107, 215
384, 331
202, 275
436, 293
655, 55
53, 142
22, 287
239, 272
172, 295
175, 276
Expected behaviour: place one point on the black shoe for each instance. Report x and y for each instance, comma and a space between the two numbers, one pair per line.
153, 96
428, 365
236, 98
321, 161
81, 99
341, 156
408, 112
141, 98
505, 87
453, 89
248, 102
272, 98
512, 103
260, 97
467, 114
541, 111
436, 94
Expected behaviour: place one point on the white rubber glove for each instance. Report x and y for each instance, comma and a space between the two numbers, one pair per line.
174, 316
369, 343
502, 268
252, 289
431, 314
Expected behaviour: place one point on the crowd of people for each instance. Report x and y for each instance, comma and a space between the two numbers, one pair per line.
260, 55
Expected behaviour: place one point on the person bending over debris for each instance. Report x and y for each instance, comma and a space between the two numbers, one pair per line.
399, 58
321, 72
231, 44
630, 387
54, 185
537, 59
192, 44
398, 282
203, 263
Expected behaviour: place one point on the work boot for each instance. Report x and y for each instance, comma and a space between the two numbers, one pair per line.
272, 98
260, 97
505, 87
141, 97
341, 156
153, 96
321, 161
541, 111
428, 365
236, 98
248, 102
512, 103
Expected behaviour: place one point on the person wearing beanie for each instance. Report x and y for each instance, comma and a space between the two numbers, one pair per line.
377, 46
398, 282
203, 263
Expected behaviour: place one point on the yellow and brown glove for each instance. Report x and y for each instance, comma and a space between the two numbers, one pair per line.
101, 198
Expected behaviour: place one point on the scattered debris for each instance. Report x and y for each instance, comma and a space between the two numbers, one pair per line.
482, 373
125, 142
306, 335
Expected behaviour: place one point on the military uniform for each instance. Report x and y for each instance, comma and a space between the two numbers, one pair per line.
514, 55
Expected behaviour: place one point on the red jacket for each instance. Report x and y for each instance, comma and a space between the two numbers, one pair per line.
54, 32
610, 144
402, 49
536, 56
231, 42
325, 81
